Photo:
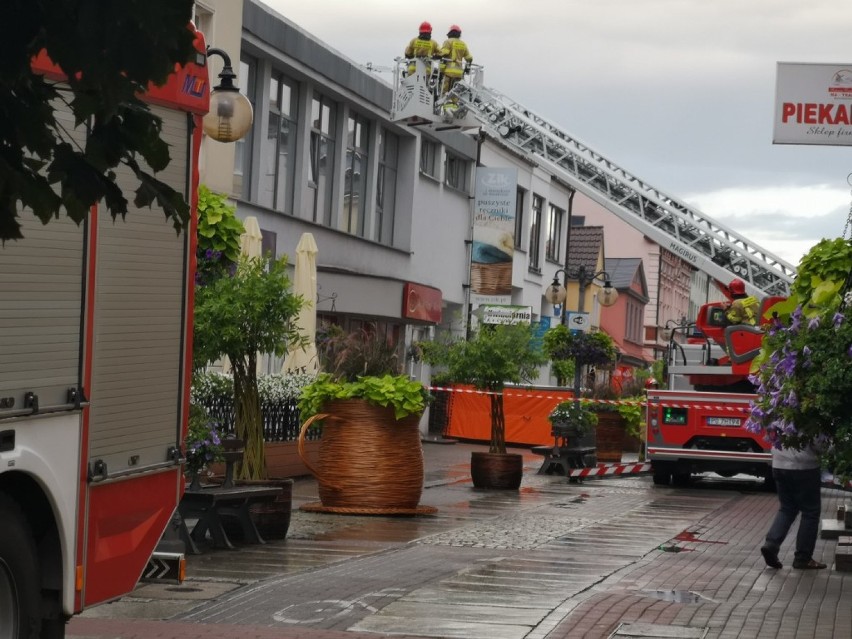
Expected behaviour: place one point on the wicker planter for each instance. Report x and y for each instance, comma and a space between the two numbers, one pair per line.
610, 434
502, 471
369, 463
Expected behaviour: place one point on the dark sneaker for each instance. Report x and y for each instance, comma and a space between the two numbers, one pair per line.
770, 556
810, 564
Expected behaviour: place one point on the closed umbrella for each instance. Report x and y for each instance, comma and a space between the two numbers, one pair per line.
305, 284
251, 241
251, 245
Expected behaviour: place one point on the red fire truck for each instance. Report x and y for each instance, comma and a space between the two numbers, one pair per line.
95, 362
697, 425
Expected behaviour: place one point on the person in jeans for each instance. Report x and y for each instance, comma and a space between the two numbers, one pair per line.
797, 478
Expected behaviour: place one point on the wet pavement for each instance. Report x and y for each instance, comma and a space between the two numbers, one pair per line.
614, 557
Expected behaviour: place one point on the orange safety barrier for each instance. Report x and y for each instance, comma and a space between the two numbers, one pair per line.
526, 414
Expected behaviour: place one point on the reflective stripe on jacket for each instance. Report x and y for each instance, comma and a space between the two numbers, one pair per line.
455, 52
418, 48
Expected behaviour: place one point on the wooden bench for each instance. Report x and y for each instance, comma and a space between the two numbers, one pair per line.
212, 503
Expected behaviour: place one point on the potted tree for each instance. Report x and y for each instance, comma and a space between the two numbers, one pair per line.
370, 455
493, 357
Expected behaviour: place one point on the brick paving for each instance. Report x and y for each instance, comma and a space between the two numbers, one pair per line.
554, 561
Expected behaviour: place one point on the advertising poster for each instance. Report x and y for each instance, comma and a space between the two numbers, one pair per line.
493, 235
813, 104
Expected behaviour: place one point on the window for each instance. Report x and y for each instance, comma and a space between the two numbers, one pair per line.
386, 187
429, 157
455, 172
202, 17
355, 182
553, 248
535, 233
323, 114
519, 218
243, 147
633, 330
279, 150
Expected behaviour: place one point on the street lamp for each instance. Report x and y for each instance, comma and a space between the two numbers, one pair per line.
230, 114
556, 294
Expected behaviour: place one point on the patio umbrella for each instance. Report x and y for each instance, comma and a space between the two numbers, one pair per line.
251, 241
305, 284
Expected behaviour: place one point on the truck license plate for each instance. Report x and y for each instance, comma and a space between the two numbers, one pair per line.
723, 421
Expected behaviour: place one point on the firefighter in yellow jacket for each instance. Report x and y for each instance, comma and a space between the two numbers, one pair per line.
423, 46
456, 58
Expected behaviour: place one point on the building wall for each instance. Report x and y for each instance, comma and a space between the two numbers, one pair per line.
668, 276
221, 22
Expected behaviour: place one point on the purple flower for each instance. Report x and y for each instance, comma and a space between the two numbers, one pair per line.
813, 324
838, 319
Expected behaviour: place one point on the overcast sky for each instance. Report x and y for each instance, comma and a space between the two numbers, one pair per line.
678, 92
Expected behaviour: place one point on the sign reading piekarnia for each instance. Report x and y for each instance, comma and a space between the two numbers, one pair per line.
813, 104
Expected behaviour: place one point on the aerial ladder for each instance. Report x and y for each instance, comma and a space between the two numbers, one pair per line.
707, 245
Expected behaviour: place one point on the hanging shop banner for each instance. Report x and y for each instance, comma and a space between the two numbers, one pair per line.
493, 235
504, 314
813, 104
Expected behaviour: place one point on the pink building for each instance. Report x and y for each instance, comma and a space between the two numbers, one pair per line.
668, 277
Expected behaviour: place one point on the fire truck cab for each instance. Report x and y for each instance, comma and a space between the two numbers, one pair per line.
697, 425
95, 341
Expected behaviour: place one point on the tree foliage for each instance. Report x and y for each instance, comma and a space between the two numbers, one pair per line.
110, 52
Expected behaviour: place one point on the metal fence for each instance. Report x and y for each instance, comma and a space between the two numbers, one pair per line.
280, 418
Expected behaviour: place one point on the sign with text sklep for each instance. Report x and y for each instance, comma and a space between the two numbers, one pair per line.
493, 235
813, 104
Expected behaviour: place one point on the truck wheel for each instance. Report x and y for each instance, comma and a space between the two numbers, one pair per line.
662, 478
681, 479
19, 588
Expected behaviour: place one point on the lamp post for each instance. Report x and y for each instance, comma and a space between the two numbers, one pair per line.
230, 113
556, 294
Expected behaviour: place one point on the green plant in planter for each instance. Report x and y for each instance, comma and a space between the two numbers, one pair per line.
628, 402
803, 374
218, 237
495, 356
254, 311
574, 414
203, 442
360, 365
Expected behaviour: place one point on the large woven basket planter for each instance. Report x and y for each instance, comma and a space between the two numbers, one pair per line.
369, 462
610, 435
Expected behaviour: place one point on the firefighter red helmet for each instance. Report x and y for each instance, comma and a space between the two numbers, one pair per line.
737, 286
454, 27
425, 27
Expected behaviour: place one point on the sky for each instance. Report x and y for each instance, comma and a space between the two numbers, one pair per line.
679, 93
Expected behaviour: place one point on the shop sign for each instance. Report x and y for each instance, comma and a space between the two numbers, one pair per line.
421, 302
